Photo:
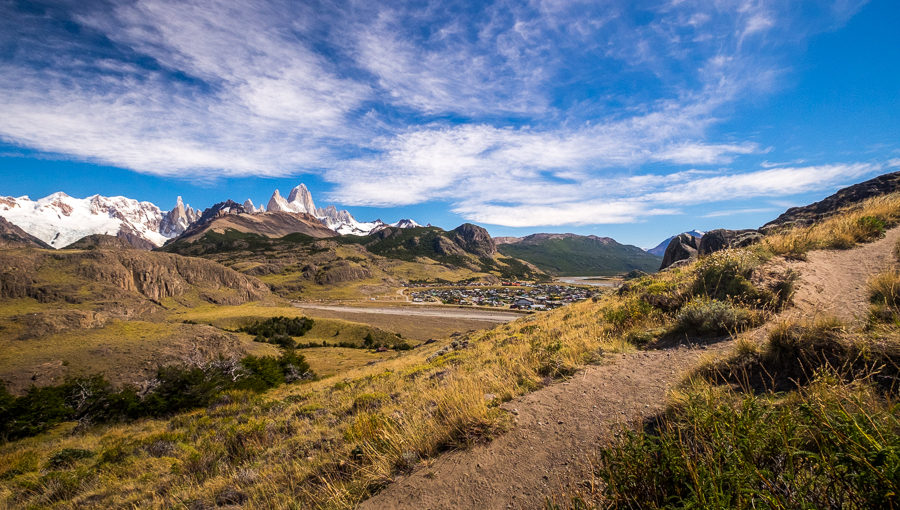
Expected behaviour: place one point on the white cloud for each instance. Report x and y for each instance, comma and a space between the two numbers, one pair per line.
500, 108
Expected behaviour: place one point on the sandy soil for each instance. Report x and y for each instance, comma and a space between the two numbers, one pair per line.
558, 427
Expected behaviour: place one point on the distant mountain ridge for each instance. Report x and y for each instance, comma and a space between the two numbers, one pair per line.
576, 255
60, 220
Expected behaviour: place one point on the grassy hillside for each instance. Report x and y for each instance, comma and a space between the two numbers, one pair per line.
581, 256
333, 442
351, 267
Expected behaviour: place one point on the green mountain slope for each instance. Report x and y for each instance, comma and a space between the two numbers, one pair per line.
574, 255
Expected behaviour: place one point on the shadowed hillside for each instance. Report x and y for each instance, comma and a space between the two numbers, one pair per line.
574, 255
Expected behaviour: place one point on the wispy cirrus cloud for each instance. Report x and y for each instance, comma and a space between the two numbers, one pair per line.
517, 113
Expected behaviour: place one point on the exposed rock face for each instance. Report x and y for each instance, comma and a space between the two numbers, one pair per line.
13, 236
446, 247
249, 207
660, 249
341, 271
277, 203
682, 247
809, 214
178, 219
53, 321
116, 276
301, 199
474, 239
721, 239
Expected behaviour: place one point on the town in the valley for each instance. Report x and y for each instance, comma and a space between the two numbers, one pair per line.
513, 295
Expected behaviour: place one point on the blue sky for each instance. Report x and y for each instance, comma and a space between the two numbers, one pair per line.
629, 119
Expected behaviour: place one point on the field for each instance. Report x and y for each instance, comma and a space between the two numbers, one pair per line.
334, 442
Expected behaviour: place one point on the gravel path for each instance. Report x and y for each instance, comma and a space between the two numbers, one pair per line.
416, 311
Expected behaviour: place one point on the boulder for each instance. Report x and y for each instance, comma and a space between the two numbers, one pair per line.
720, 239
681, 247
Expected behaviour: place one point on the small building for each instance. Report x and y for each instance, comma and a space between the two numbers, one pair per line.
523, 303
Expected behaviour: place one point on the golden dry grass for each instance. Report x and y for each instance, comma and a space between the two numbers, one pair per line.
332, 442
326, 443
858, 223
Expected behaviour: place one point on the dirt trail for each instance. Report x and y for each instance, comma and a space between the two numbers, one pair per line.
558, 427
833, 283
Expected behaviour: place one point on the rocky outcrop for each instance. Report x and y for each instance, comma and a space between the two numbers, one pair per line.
53, 321
473, 239
851, 195
681, 247
341, 271
721, 239
119, 276
178, 219
12, 236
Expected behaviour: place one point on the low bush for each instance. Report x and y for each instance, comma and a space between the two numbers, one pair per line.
279, 330
828, 446
708, 317
726, 276
884, 290
174, 388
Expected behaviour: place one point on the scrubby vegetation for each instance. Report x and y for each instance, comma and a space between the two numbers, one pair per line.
828, 445
92, 400
279, 330
807, 419
863, 222
829, 438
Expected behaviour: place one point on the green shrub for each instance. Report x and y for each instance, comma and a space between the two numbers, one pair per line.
827, 447
67, 457
726, 276
279, 330
627, 313
706, 317
175, 388
870, 227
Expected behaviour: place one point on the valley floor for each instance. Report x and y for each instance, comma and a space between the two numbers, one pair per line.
559, 426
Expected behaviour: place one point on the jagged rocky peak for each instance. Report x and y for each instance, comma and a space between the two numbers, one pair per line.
474, 239
178, 219
220, 209
341, 221
301, 199
250, 208
277, 203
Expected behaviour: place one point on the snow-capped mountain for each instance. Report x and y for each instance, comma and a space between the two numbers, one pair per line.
341, 221
177, 220
405, 223
250, 208
60, 220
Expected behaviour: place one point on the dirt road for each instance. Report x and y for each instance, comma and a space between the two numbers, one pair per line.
419, 311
